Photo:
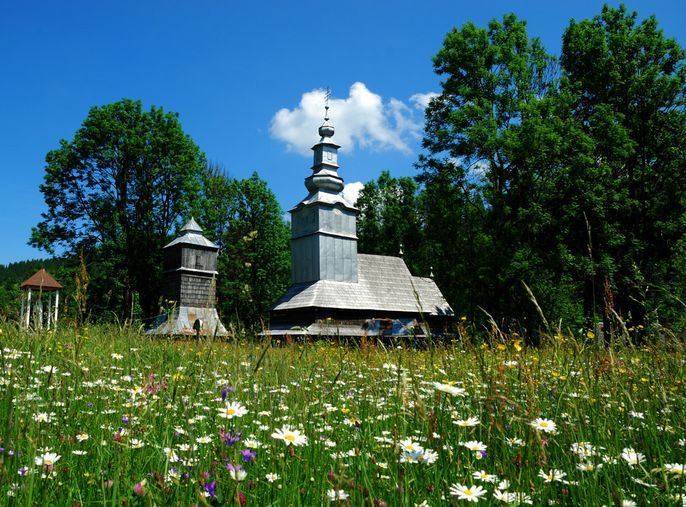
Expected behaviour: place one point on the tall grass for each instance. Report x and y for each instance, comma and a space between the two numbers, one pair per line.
137, 419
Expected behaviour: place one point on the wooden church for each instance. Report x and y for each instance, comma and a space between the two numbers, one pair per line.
336, 290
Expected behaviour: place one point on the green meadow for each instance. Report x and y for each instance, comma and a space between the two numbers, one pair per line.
108, 416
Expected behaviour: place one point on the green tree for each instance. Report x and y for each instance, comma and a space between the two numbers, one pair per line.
628, 85
491, 151
116, 191
216, 204
570, 177
244, 217
390, 219
455, 244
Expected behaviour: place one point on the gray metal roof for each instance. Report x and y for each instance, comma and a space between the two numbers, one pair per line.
192, 226
325, 198
384, 284
192, 235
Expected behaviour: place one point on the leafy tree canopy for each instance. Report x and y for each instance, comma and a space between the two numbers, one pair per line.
566, 175
245, 219
389, 219
116, 191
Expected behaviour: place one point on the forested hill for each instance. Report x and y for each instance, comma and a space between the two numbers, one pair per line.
17, 272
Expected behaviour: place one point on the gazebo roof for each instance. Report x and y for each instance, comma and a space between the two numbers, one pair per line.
41, 280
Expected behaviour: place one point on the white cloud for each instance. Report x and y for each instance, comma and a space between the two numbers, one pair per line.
421, 100
351, 191
362, 120
476, 170
479, 168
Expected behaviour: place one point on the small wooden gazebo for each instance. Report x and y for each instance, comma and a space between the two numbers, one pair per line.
41, 310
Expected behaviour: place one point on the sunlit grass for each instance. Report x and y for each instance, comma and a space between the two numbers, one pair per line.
105, 415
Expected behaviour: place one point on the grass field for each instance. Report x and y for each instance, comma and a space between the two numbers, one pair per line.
111, 417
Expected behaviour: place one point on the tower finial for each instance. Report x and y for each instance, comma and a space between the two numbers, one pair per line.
326, 130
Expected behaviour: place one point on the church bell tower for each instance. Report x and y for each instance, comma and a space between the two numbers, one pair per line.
324, 224
189, 286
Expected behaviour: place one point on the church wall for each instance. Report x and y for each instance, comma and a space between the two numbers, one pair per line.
305, 259
304, 221
337, 220
189, 290
171, 287
197, 291
338, 258
172, 258
195, 258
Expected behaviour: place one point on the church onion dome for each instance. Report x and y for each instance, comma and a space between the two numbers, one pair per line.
324, 177
326, 130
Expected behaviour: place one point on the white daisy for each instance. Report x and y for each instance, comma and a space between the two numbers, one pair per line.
231, 410
632, 457
339, 494
290, 437
471, 493
473, 445
450, 389
553, 475
467, 423
48, 459
544, 425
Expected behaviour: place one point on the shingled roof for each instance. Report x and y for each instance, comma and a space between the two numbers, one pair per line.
192, 235
384, 284
41, 280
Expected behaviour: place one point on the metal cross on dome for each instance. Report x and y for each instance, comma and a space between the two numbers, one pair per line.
327, 96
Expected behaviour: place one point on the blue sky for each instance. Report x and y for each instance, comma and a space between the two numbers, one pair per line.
245, 78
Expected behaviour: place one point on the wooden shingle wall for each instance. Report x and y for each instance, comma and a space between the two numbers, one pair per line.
190, 290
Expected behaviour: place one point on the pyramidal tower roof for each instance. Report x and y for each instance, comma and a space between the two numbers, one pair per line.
191, 234
192, 226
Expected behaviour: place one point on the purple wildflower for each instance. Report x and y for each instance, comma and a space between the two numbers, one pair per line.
229, 437
211, 488
248, 455
125, 419
226, 390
